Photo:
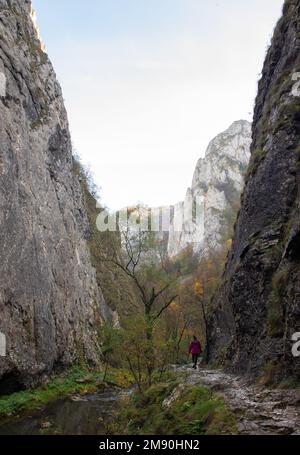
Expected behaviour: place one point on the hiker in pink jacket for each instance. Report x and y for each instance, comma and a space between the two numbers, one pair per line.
195, 350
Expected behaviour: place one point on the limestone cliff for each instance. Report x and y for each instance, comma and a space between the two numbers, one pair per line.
217, 184
258, 307
50, 303
118, 289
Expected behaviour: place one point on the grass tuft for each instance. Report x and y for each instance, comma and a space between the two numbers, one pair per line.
196, 411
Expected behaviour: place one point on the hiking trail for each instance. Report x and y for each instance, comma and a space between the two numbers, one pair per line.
260, 410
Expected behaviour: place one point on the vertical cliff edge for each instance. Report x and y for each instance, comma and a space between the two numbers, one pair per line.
217, 185
50, 304
258, 305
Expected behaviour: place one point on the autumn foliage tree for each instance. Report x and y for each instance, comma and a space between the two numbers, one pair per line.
197, 291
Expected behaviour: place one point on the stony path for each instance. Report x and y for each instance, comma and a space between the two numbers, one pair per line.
260, 411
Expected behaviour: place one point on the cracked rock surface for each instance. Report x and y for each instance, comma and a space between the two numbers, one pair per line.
50, 304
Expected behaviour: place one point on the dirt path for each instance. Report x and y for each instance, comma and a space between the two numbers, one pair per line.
260, 411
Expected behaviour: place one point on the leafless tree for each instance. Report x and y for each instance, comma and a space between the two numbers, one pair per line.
144, 262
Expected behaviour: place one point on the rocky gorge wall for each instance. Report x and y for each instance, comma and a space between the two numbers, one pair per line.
50, 304
258, 305
216, 188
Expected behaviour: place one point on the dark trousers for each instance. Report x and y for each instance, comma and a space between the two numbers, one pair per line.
195, 359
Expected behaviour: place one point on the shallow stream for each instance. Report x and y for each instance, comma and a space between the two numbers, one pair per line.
76, 415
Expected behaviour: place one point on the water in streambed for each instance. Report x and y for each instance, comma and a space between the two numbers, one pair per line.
76, 415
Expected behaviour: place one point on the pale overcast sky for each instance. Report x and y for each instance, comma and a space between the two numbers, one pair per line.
148, 83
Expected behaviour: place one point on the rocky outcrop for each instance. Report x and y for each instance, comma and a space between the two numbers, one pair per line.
217, 184
50, 304
258, 306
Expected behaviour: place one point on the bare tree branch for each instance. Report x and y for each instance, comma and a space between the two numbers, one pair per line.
165, 307
131, 275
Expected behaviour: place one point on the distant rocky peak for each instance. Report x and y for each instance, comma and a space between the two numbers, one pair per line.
217, 184
234, 143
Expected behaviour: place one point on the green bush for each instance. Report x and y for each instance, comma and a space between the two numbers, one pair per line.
196, 411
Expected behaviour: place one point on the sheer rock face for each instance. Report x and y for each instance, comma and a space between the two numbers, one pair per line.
258, 307
50, 305
217, 184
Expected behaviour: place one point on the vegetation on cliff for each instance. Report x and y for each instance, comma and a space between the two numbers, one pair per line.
117, 288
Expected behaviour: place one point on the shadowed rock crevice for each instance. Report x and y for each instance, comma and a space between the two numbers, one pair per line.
10, 383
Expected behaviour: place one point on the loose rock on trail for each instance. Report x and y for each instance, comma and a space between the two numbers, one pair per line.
260, 410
